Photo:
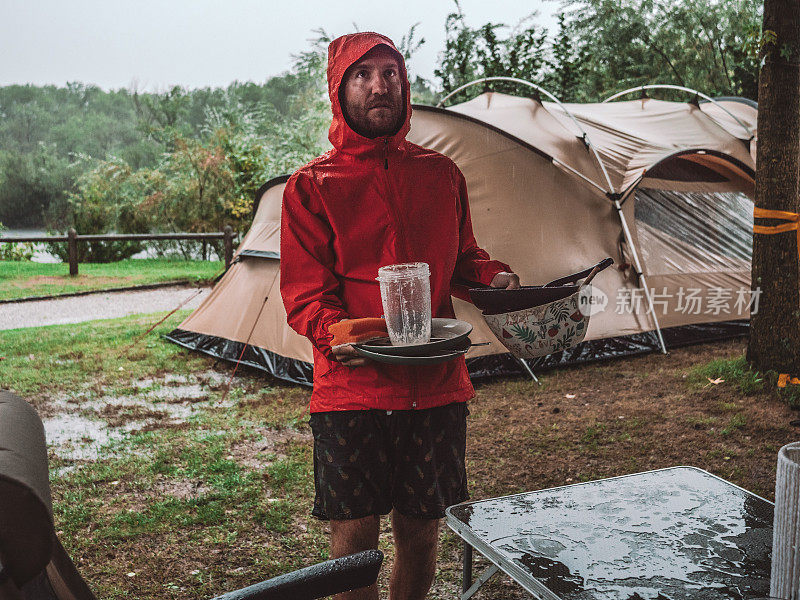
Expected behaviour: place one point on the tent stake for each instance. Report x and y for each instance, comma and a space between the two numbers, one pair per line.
640, 272
527, 367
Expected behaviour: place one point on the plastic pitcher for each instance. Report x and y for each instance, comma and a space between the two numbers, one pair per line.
406, 297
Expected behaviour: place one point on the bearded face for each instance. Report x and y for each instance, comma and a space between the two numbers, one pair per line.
373, 94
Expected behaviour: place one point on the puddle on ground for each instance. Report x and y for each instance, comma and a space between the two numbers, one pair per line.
79, 427
77, 437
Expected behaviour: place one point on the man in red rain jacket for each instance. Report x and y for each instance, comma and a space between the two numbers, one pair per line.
387, 439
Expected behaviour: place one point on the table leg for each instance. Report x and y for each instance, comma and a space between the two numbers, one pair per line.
466, 568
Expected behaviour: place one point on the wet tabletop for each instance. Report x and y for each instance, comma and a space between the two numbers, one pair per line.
671, 534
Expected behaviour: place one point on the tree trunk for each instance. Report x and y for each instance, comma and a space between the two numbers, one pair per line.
775, 328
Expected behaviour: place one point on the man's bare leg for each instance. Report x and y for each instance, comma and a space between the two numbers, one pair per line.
415, 542
349, 537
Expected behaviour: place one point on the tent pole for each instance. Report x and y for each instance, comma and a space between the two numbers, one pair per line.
584, 136
640, 271
666, 86
611, 192
527, 367
577, 174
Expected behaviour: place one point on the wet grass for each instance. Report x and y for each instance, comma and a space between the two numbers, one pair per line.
186, 496
737, 421
223, 499
749, 382
734, 371
106, 354
24, 279
186, 511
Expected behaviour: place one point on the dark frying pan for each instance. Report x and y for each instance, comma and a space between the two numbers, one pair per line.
493, 301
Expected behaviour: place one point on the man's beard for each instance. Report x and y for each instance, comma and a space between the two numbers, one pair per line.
373, 130
365, 127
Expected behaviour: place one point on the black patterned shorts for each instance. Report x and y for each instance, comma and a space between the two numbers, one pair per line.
367, 462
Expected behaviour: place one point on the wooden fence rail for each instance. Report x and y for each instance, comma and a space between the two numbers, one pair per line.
72, 238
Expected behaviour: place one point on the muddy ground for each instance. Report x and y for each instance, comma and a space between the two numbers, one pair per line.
584, 423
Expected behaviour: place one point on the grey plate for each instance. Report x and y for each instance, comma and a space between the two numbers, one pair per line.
430, 358
446, 334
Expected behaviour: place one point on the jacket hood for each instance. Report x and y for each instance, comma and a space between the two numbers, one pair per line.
343, 52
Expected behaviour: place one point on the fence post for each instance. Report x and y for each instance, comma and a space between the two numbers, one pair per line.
228, 246
72, 248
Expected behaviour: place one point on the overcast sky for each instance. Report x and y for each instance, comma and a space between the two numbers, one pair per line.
152, 44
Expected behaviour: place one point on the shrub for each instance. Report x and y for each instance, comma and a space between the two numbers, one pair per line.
15, 250
107, 200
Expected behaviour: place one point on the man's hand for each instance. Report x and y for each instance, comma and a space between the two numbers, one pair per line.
509, 281
347, 355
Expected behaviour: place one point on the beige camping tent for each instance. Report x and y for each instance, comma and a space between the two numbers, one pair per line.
665, 188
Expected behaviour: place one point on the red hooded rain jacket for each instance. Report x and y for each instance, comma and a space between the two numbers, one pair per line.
362, 205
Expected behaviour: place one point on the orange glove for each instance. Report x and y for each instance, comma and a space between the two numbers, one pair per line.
353, 331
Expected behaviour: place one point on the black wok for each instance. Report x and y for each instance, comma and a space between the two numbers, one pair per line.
493, 301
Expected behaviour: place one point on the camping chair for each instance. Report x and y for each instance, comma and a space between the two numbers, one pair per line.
35, 566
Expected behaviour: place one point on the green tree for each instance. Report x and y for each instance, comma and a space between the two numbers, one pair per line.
31, 182
567, 65
107, 199
700, 44
163, 116
471, 54
45, 129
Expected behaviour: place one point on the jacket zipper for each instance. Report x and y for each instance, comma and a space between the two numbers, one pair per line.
401, 232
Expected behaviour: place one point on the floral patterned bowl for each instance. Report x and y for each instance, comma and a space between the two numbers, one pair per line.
543, 329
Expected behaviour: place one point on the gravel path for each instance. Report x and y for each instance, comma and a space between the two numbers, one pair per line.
101, 305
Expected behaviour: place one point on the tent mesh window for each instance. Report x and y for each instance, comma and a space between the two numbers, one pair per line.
694, 232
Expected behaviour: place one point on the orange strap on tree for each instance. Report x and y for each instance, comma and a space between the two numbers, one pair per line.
784, 215
793, 224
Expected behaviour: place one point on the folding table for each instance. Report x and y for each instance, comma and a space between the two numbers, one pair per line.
670, 534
